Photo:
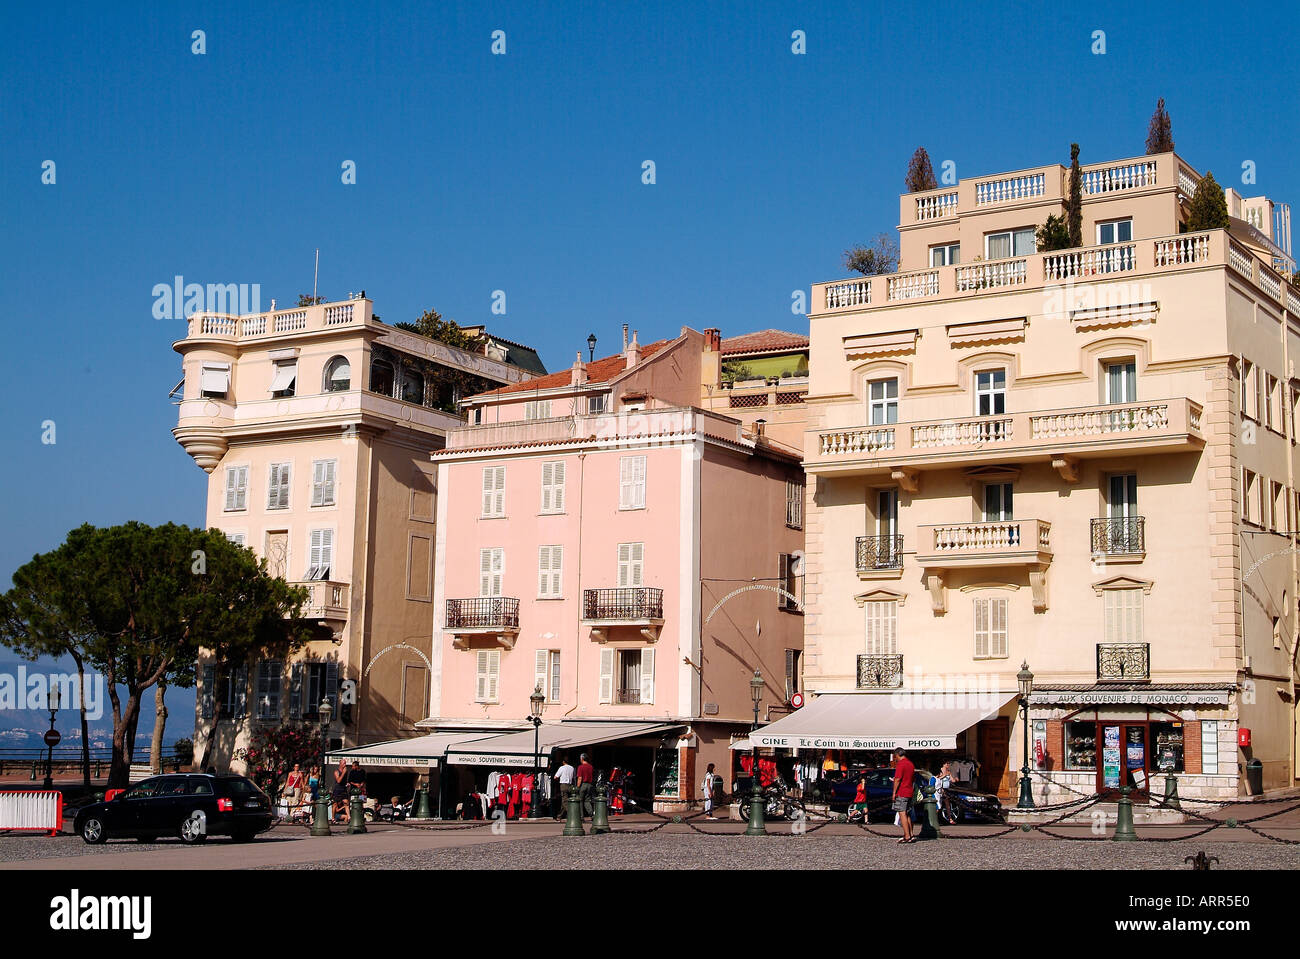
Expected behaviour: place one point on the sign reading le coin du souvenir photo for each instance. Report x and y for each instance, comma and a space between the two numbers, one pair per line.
888, 742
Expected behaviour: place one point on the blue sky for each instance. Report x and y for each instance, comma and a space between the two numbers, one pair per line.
520, 173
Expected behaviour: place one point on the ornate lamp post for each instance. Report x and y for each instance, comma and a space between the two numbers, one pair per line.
52, 737
535, 703
591, 347
321, 825
1026, 681
757, 825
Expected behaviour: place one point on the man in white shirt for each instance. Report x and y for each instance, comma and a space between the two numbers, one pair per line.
564, 776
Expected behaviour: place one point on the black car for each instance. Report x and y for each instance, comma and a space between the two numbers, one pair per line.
879, 793
192, 806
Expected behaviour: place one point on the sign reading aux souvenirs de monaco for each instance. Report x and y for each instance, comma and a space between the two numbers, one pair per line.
844, 742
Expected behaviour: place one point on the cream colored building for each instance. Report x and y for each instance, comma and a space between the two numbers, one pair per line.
1082, 459
315, 425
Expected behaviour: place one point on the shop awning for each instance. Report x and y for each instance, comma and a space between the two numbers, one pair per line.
420, 752
741, 744
516, 749
882, 720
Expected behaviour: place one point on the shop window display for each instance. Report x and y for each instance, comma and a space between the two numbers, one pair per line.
1168, 739
1080, 745
666, 772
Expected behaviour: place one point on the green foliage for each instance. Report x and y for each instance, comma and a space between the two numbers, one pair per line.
1074, 201
875, 260
734, 371
184, 750
1160, 131
920, 172
1053, 234
306, 299
274, 750
1208, 209
139, 602
432, 325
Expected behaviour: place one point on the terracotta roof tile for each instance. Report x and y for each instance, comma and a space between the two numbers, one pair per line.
598, 371
764, 341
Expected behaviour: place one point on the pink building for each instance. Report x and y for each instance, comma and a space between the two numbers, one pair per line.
602, 539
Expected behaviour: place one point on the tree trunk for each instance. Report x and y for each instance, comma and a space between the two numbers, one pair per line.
160, 724
85, 727
119, 773
133, 726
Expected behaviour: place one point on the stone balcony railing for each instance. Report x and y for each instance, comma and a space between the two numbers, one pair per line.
663, 424
984, 544
1047, 184
326, 600
323, 316
1055, 272
1172, 424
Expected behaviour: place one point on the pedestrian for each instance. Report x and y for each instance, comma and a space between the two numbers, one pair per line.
903, 792
585, 775
942, 783
564, 776
293, 788
339, 793
709, 786
357, 779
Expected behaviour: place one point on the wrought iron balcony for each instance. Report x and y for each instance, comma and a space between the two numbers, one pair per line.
492, 616
1123, 662
1119, 535
628, 697
629, 604
879, 552
880, 671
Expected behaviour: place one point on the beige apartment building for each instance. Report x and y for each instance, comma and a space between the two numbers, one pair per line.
315, 425
1084, 460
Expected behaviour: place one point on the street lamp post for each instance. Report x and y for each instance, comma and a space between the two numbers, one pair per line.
757, 825
1026, 681
51, 737
321, 824
535, 703
591, 347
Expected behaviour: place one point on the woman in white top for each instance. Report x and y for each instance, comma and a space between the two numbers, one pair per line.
942, 783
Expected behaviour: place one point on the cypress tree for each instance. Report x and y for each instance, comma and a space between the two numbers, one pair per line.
1208, 209
1160, 132
920, 174
1074, 202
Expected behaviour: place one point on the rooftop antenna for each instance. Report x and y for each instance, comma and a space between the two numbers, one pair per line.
315, 276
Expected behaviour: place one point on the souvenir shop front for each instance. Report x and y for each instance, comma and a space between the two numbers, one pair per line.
841, 733
1099, 738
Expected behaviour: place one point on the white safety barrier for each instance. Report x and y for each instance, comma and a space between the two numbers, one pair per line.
37, 810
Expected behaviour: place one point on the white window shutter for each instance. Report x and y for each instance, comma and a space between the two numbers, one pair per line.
638, 481
624, 482
317, 482
485, 572
489, 489
557, 569
624, 563
499, 500
606, 675
998, 644
554, 694
494, 673
231, 486
327, 551
981, 628
647, 676
317, 536
543, 571
481, 675
557, 481
539, 670
638, 561
548, 474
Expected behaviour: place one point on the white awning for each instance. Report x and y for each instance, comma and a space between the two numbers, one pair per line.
882, 720
742, 745
419, 752
285, 374
214, 379
516, 749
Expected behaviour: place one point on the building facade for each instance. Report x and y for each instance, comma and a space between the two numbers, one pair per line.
1084, 460
315, 426
605, 541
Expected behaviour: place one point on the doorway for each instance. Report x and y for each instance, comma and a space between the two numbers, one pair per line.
995, 742
1124, 750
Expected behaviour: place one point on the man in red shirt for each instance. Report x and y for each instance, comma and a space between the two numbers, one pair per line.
584, 777
904, 790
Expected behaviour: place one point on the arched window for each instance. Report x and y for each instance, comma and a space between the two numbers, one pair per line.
381, 377
338, 375
412, 386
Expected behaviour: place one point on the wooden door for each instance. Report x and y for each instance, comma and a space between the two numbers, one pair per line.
995, 742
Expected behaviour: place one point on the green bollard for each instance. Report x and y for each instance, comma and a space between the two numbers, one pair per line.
1171, 792
600, 810
1124, 818
321, 824
930, 815
422, 810
357, 821
573, 822
757, 810
33, 776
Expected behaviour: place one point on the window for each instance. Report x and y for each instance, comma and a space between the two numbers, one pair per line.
491, 568
1249, 495
1121, 496
320, 554
631, 482
788, 579
1123, 612
1121, 382
1249, 390
596, 404
338, 375
1080, 745
269, 680
537, 409
553, 487
550, 571
309, 685
382, 377
627, 676
997, 502
794, 490
1277, 508
277, 492
494, 491
991, 628
990, 392
882, 402
631, 561
946, 254
476, 416
214, 380
792, 657
1272, 402
232, 692
412, 386
1114, 231
887, 514
1210, 747
882, 627
236, 538
236, 488
284, 377
322, 482
1009, 243
546, 674
487, 675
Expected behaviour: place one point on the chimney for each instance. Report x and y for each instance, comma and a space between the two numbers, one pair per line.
633, 352
760, 431
713, 340
624, 337
579, 373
